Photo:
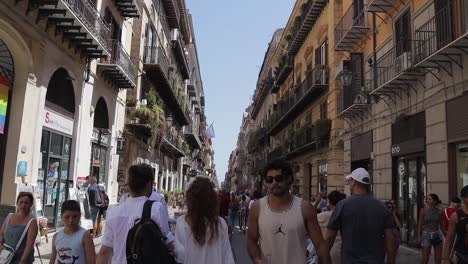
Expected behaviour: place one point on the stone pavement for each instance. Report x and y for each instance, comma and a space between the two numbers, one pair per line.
239, 248
45, 249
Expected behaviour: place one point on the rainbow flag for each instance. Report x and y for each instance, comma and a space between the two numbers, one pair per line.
4, 88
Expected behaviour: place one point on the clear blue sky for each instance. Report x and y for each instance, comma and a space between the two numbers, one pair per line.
232, 38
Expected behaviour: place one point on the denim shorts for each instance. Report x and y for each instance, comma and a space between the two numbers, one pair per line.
427, 237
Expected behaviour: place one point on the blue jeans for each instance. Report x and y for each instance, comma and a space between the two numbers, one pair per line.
233, 217
427, 237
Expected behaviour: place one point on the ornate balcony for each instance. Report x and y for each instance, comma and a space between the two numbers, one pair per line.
178, 45
276, 154
192, 91
304, 94
257, 139
172, 143
191, 134
156, 67
285, 66
262, 91
78, 22
395, 71
380, 6
310, 13
442, 41
352, 102
118, 67
351, 29
307, 138
128, 8
172, 12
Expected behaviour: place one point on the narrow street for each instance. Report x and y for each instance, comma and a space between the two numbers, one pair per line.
239, 248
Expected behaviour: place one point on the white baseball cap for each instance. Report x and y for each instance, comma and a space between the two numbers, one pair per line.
361, 175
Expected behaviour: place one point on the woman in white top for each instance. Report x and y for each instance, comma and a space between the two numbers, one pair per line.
201, 235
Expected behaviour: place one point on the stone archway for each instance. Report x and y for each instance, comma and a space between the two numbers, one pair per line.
60, 91
7, 77
101, 114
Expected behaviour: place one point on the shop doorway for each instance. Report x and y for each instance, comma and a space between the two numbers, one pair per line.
53, 179
409, 192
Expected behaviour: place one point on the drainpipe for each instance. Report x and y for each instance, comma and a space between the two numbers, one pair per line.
374, 50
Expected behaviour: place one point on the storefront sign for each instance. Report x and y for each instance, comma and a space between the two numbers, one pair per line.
22, 168
408, 147
105, 139
58, 122
4, 89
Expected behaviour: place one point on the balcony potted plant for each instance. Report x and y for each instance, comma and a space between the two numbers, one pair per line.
144, 115
131, 102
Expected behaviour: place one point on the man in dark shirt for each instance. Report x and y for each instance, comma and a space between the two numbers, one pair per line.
364, 223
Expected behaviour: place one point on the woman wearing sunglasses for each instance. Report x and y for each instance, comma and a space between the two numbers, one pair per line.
391, 205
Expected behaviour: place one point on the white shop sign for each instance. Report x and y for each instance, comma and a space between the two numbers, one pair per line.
58, 122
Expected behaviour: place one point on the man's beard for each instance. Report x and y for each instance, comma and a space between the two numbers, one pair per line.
279, 192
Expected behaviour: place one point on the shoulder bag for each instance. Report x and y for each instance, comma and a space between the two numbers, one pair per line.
8, 253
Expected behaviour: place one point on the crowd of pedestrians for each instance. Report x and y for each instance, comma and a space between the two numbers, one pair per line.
340, 229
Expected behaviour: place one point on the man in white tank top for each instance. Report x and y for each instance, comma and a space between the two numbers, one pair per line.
280, 223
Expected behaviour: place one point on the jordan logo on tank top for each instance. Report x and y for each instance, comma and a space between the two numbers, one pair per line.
280, 231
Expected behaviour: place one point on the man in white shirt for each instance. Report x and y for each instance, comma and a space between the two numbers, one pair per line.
121, 219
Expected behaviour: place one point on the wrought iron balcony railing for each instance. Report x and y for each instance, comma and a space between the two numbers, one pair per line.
168, 82
172, 12
90, 17
438, 32
173, 141
283, 70
156, 55
178, 45
119, 66
310, 12
351, 29
398, 59
305, 93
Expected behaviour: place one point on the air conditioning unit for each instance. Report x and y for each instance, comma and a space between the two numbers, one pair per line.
175, 34
403, 62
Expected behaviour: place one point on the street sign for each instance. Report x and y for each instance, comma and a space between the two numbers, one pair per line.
22, 168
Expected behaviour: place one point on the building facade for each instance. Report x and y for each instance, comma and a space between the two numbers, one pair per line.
403, 98
166, 122
63, 94
300, 125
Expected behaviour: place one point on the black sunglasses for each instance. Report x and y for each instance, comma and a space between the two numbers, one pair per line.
277, 178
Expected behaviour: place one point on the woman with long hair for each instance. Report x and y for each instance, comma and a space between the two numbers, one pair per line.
429, 229
201, 235
17, 224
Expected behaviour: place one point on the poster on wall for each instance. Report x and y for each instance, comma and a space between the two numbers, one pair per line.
4, 89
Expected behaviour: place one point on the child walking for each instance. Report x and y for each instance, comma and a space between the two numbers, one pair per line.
73, 244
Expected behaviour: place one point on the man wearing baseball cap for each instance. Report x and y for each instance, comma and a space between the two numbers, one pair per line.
364, 224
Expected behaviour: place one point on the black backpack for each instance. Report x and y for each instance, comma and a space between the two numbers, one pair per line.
145, 241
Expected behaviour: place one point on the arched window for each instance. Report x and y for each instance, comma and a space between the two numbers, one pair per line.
60, 90
6, 62
101, 115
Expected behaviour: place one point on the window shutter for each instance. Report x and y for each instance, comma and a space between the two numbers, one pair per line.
357, 67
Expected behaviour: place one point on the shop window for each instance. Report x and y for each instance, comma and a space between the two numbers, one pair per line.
462, 165
56, 145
